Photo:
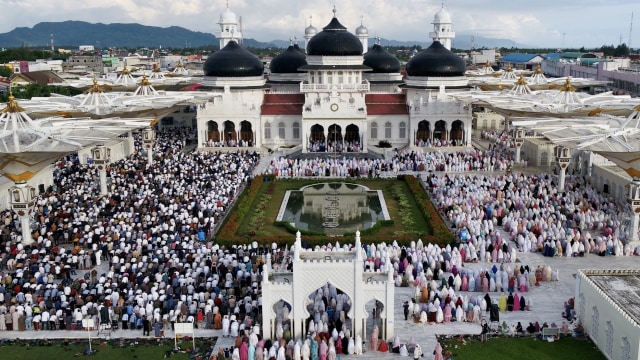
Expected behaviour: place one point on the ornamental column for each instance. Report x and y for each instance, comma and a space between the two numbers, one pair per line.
563, 156
148, 138
519, 140
101, 157
634, 201
22, 197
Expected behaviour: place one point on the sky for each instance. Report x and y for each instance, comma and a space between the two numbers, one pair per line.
540, 23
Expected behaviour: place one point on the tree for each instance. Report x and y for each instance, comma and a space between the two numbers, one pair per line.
621, 50
5, 71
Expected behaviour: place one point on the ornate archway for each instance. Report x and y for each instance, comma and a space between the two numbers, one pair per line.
317, 141
213, 134
440, 130
457, 132
246, 133
229, 133
424, 132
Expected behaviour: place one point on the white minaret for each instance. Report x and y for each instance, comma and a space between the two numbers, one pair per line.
443, 28
229, 28
363, 34
309, 32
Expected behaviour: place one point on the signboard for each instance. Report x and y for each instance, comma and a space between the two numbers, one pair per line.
183, 328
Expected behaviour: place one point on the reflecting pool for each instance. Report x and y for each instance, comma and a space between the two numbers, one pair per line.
333, 208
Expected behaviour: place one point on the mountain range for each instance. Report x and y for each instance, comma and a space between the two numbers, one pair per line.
76, 33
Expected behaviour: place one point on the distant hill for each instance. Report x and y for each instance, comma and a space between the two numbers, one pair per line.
462, 41
76, 33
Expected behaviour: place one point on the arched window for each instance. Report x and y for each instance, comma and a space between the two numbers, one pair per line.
387, 130
595, 321
281, 130
296, 130
403, 130
374, 130
267, 131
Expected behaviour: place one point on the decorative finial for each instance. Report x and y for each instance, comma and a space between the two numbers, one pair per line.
334, 10
290, 41
227, 4
310, 20
362, 20
12, 106
295, 39
377, 40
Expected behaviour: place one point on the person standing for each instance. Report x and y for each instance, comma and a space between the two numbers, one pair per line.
406, 310
485, 330
146, 326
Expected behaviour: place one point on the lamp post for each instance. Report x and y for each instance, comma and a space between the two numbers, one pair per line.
22, 197
563, 156
101, 157
148, 138
519, 140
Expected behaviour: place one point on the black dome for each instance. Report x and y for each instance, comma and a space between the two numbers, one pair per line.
334, 40
288, 61
380, 61
233, 61
437, 61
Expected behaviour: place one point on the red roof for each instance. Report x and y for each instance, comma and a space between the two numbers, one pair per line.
282, 104
386, 104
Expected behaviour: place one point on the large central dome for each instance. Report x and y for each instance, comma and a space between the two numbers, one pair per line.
334, 40
233, 61
436, 61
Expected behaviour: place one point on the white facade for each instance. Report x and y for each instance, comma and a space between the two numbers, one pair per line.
333, 103
606, 306
313, 270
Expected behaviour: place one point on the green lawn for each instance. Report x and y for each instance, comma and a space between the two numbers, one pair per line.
103, 350
521, 348
400, 204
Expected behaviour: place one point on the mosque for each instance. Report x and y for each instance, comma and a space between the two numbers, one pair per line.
336, 95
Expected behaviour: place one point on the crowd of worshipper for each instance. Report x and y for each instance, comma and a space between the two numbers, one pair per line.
334, 146
537, 216
415, 160
150, 229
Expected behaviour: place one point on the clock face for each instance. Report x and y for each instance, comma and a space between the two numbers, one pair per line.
334, 107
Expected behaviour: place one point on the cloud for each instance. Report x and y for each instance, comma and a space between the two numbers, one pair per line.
542, 23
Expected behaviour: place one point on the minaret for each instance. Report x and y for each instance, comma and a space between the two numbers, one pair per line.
443, 28
229, 28
363, 34
309, 32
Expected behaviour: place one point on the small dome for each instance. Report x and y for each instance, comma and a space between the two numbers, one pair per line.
228, 17
380, 61
233, 61
288, 61
334, 40
442, 16
437, 61
362, 30
310, 30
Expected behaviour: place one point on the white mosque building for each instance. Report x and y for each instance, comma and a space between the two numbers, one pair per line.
336, 95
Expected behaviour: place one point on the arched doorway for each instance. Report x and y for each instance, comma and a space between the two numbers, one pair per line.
457, 132
246, 133
213, 134
328, 309
230, 135
440, 131
335, 138
374, 308
282, 323
317, 142
423, 136
352, 138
